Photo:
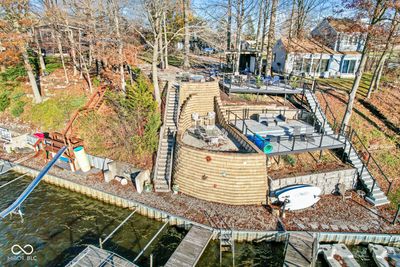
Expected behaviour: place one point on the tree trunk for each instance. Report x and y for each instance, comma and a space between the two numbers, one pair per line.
271, 36
229, 26
120, 50
73, 50
378, 70
154, 71
356, 83
87, 74
291, 20
260, 14
161, 48
165, 41
264, 32
239, 34
31, 76
39, 52
186, 6
60, 50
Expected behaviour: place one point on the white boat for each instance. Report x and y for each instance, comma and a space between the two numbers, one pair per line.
299, 197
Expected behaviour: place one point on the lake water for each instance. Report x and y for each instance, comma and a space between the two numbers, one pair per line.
59, 224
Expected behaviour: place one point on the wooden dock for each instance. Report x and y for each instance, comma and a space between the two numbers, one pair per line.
93, 256
190, 249
299, 252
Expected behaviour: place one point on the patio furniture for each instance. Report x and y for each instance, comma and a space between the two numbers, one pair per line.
280, 119
211, 118
275, 80
267, 119
196, 119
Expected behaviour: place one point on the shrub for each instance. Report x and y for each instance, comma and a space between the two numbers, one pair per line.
18, 108
4, 100
13, 73
289, 159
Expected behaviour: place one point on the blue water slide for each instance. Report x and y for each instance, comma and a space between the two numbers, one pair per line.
32, 185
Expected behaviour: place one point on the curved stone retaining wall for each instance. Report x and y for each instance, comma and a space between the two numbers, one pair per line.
226, 177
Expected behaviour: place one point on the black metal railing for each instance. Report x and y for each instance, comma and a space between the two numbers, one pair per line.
251, 82
369, 162
327, 110
287, 143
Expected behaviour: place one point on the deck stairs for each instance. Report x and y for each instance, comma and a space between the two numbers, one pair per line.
165, 153
375, 195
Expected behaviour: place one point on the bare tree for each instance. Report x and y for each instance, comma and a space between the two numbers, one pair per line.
376, 77
271, 36
239, 25
15, 23
377, 11
186, 50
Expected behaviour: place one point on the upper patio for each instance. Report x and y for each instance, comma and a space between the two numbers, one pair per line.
245, 84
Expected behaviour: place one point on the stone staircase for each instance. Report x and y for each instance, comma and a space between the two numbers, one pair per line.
165, 153
375, 196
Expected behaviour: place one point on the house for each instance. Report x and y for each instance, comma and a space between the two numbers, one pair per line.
336, 42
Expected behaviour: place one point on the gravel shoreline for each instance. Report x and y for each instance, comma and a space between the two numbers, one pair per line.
330, 214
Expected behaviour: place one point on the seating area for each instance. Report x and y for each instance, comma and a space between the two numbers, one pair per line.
211, 137
286, 135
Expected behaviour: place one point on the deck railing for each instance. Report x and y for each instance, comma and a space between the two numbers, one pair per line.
287, 143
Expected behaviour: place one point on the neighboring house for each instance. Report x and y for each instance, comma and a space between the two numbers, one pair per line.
337, 42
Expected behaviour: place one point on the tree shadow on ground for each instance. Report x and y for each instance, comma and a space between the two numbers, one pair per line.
377, 113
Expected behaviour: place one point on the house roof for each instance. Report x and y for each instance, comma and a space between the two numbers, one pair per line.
345, 25
306, 45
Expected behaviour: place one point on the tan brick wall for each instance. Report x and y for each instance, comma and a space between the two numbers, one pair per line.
225, 177
228, 177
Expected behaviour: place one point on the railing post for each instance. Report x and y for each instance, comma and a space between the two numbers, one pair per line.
373, 185
389, 188
294, 138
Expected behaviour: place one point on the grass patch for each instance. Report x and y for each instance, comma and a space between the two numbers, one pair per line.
52, 64
52, 114
345, 84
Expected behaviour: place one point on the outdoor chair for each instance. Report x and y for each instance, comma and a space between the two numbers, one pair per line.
267, 80
280, 119
275, 80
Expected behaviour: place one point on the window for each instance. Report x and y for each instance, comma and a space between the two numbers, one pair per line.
348, 66
307, 65
323, 65
297, 64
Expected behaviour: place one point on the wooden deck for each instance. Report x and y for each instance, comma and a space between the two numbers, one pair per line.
270, 89
93, 256
190, 249
283, 141
299, 250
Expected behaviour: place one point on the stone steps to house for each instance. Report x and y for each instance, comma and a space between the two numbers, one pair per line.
165, 151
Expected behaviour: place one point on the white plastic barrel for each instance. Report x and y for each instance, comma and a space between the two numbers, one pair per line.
82, 158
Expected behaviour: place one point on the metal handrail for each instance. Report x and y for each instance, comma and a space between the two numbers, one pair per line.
370, 157
170, 159
328, 108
